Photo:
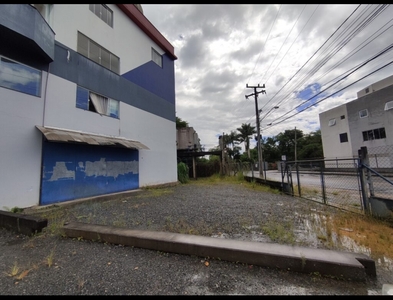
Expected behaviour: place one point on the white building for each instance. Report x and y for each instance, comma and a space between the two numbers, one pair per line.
88, 102
364, 122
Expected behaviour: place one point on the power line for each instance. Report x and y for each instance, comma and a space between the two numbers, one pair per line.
391, 62
312, 55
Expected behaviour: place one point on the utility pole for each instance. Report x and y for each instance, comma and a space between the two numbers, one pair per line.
295, 147
255, 94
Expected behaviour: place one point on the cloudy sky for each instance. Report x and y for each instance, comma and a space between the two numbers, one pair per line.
310, 58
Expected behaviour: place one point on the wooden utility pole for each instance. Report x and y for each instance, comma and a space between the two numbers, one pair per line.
255, 94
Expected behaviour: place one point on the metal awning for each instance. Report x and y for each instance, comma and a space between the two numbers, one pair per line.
68, 136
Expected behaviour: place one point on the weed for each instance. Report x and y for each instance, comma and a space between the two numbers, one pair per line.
22, 275
14, 270
81, 283
49, 259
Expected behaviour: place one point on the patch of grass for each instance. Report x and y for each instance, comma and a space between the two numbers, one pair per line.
366, 231
239, 179
155, 192
279, 231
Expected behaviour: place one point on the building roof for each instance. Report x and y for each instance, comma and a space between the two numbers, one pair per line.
136, 15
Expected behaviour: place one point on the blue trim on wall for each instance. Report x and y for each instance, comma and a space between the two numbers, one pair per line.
72, 171
155, 79
90, 75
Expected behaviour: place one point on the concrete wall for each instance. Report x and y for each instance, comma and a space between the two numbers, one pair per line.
332, 147
374, 102
187, 138
146, 115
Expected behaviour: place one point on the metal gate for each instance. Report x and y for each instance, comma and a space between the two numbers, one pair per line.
349, 184
332, 182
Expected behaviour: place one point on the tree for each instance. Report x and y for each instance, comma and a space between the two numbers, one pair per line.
270, 149
245, 131
286, 142
180, 123
310, 146
232, 139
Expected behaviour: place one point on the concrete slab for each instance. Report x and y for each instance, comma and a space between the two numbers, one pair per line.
347, 265
21, 223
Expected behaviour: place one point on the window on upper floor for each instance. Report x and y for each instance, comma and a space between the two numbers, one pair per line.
374, 134
97, 53
103, 12
20, 77
94, 102
332, 122
388, 105
343, 137
342, 117
156, 57
363, 113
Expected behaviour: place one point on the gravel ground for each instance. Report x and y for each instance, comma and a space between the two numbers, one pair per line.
51, 264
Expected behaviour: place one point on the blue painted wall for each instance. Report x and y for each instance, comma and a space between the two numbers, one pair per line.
160, 81
72, 171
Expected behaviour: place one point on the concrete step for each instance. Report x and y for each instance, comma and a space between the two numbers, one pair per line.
347, 265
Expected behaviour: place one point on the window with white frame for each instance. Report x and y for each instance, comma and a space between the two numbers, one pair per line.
332, 122
363, 113
388, 105
20, 77
95, 52
94, 102
103, 12
156, 57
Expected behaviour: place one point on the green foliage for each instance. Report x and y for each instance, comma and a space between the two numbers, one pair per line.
182, 172
14, 209
180, 123
245, 131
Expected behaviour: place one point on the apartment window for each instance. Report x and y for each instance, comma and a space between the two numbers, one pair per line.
367, 90
94, 102
343, 137
363, 113
342, 117
103, 12
332, 122
98, 54
156, 57
374, 134
19, 77
388, 105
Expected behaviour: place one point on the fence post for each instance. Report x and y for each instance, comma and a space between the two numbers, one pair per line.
321, 166
298, 179
363, 158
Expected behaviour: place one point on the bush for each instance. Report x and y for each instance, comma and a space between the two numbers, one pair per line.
182, 172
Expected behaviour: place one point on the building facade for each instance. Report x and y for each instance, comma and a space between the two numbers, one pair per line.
88, 98
364, 122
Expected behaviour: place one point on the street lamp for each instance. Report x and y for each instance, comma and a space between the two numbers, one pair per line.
260, 156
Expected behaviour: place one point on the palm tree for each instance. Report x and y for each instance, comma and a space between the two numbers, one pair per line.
245, 131
232, 139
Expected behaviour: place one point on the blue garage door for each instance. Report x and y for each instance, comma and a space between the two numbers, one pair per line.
72, 171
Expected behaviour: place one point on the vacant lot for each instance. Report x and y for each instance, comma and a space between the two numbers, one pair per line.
50, 264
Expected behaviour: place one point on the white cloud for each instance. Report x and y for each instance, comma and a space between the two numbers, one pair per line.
222, 48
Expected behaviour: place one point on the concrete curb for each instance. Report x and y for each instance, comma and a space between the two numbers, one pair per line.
346, 265
21, 223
